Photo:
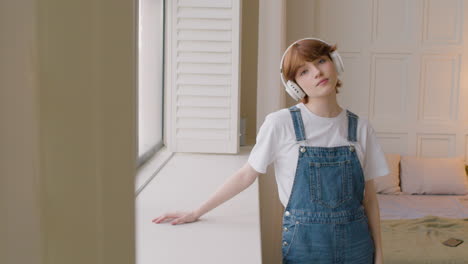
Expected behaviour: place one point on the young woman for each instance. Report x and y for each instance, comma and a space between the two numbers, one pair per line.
325, 161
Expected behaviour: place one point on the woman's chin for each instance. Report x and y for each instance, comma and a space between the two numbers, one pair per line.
323, 92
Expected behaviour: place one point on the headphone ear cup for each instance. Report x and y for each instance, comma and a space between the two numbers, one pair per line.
336, 58
294, 90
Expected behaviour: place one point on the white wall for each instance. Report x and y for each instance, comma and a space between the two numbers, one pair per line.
405, 68
270, 97
68, 119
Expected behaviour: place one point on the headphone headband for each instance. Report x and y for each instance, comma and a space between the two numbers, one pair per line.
286, 51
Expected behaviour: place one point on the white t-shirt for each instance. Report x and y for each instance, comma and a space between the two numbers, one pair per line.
276, 142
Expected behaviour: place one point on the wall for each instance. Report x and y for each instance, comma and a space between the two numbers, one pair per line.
270, 97
405, 69
68, 116
249, 54
300, 24
20, 233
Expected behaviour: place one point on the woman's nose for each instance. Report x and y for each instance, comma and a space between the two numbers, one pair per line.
317, 72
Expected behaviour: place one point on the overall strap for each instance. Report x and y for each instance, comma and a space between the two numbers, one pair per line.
352, 126
297, 122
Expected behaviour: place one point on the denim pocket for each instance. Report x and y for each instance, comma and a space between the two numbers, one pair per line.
360, 238
289, 233
330, 182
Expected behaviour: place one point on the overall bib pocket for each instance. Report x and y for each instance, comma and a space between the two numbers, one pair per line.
330, 182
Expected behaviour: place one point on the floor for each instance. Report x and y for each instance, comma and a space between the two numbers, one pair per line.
228, 234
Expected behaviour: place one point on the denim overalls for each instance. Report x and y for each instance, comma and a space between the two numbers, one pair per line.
324, 221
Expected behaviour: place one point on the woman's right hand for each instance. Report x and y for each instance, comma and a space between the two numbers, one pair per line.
177, 218
238, 182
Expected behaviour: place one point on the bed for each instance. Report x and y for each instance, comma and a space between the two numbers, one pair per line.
413, 227
418, 211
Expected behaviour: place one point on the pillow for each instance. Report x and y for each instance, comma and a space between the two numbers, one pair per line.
433, 175
390, 183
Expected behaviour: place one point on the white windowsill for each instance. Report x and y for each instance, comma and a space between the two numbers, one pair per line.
149, 170
229, 234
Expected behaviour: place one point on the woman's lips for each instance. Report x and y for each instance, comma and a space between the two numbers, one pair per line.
325, 81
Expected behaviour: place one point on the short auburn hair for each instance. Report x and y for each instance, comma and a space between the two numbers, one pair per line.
302, 51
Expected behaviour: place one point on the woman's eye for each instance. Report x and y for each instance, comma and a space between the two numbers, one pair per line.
303, 72
322, 61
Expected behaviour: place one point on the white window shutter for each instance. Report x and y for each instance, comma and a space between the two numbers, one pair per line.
203, 71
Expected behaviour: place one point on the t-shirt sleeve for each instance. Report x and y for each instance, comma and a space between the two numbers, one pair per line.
375, 164
264, 151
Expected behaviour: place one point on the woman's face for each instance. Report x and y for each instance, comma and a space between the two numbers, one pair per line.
318, 78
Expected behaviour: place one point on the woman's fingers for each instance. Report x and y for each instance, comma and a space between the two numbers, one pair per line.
176, 217
167, 216
186, 218
158, 219
180, 220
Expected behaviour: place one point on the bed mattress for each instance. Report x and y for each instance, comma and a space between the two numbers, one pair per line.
406, 206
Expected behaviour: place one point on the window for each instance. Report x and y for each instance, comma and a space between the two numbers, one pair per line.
150, 78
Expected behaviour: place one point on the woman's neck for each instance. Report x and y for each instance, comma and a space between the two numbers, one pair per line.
324, 107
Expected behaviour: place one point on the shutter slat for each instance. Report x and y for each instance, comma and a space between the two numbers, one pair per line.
205, 24
199, 90
205, 3
204, 101
208, 35
204, 68
195, 134
213, 13
206, 46
203, 123
185, 79
204, 57
206, 112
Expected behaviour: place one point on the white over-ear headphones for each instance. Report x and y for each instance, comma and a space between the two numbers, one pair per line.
294, 90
